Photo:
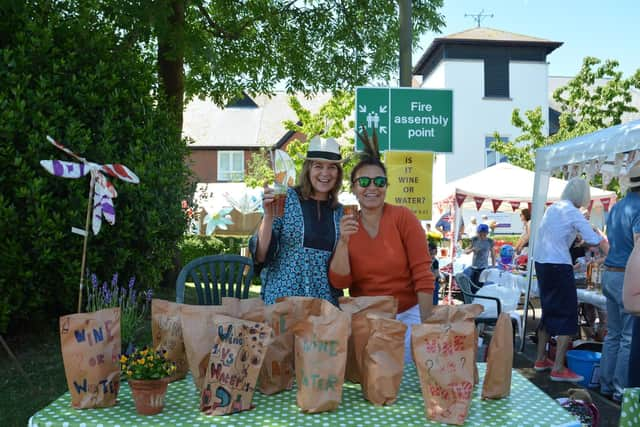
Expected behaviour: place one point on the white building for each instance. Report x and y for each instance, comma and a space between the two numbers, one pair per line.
491, 72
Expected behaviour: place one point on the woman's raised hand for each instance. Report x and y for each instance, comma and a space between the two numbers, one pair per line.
348, 226
267, 200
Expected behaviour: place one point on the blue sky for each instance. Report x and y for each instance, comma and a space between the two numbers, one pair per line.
602, 29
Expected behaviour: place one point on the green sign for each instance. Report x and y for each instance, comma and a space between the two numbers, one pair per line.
407, 119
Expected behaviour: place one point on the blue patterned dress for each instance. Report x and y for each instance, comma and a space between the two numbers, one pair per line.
294, 266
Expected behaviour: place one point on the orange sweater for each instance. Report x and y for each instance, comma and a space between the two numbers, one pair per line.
396, 262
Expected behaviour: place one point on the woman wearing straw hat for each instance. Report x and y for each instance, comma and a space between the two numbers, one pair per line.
293, 250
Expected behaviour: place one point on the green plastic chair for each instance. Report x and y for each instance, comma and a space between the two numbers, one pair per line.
216, 276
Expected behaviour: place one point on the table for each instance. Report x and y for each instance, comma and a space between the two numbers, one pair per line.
592, 297
527, 405
507, 278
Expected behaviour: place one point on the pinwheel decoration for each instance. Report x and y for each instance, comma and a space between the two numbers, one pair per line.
284, 168
101, 191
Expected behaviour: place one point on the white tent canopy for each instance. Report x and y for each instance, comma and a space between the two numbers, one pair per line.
505, 183
619, 145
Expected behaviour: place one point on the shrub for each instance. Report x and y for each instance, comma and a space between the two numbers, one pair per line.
192, 246
67, 73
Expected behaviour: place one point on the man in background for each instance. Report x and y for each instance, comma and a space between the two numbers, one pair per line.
623, 229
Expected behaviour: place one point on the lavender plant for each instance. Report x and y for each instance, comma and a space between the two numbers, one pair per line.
133, 304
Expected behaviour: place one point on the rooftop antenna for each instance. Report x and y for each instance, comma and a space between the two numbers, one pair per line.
478, 16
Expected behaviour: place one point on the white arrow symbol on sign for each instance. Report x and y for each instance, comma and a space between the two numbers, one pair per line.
383, 108
383, 129
362, 108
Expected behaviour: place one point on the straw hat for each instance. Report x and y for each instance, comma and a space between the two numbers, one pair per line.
324, 150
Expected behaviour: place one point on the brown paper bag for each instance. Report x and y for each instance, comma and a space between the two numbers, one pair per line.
166, 329
303, 307
358, 307
497, 378
320, 359
383, 360
251, 309
91, 354
198, 332
235, 360
476, 375
277, 372
442, 349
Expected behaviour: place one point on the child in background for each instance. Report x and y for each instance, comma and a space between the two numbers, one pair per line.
482, 249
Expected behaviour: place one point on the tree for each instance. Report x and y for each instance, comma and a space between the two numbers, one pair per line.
64, 73
585, 106
331, 120
221, 48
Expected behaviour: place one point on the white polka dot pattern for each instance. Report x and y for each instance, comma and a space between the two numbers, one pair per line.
630, 411
527, 405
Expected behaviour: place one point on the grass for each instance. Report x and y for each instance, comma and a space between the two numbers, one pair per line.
39, 355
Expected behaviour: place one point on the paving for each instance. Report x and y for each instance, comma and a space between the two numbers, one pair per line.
523, 362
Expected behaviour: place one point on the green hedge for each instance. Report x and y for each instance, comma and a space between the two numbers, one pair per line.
192, 247
66, 72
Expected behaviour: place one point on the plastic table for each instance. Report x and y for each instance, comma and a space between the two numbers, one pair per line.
527, 405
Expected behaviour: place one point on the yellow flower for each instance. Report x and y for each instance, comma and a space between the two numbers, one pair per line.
123, 359
129, 373
141, 361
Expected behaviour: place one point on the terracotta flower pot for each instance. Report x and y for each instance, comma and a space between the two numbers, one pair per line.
148, 395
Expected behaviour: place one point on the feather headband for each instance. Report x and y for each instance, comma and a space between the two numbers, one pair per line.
371, 148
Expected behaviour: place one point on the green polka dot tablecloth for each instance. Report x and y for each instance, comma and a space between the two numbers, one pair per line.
527, 406
630, 410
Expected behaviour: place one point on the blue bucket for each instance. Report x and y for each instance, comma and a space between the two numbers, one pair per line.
587, 364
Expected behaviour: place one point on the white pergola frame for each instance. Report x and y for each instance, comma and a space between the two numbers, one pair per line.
603, 143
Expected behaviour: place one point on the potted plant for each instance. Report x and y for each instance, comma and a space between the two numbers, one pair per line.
147, 372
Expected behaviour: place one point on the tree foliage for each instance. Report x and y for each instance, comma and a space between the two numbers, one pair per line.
68, 75
332, 120
585, 106
220, 48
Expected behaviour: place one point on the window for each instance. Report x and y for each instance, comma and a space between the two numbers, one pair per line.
230, 165
492, 157
496, 77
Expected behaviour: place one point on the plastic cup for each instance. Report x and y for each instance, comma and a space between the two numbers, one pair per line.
279, 199
351, 210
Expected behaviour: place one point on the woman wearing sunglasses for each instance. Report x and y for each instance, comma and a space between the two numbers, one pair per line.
292, 251
384, 250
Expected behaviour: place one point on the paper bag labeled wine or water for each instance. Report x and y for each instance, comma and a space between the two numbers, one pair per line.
91, 354
198, 332
166, 330
320, 360
251, 309
497, 378
277, 372
443, 352
358, 307
235, 360
383, 360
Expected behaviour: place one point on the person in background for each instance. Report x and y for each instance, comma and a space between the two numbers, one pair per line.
523, 242
631, 298
558, 296
623, 228
293, 251
435, 269
384, 250
482, 249
484, 219
473, 228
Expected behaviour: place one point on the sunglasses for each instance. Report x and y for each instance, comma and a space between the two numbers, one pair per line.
378, 181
